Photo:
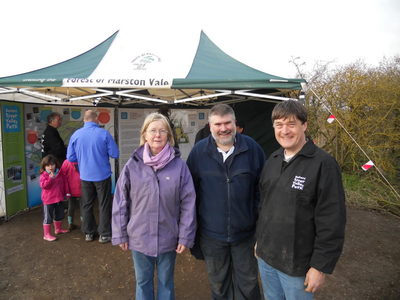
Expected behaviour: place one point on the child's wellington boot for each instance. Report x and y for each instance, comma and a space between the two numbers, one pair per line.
57, 225
47, 235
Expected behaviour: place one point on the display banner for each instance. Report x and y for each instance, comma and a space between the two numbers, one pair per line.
187, 123
13, 157
35, 123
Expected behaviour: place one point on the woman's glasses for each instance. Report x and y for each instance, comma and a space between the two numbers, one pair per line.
154, 132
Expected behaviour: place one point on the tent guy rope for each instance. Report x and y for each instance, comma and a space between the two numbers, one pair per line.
348, 133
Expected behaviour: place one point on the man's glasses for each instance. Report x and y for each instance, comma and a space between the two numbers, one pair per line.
154, 132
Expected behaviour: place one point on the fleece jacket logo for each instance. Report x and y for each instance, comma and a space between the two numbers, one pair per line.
298, 182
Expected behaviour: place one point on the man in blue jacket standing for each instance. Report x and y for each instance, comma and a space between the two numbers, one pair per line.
92, 147
226, 169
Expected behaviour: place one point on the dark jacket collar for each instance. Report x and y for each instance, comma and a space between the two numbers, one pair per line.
307, 150
51, 128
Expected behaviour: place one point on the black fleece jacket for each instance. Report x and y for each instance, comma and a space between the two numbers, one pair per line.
52, 143
302, 212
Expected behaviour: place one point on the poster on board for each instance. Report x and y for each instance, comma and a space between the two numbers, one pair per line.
187, 123
35, 116
13, 157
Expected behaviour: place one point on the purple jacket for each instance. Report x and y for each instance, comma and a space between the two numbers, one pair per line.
154, 211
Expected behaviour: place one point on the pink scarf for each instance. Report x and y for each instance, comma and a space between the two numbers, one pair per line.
158, 161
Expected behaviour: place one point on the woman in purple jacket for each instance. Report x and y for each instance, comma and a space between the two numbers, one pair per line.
154, 208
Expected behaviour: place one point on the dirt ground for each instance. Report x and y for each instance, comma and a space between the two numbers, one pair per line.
70, 268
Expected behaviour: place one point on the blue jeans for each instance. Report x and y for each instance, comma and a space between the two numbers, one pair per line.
279, 286
231, 268
144, 272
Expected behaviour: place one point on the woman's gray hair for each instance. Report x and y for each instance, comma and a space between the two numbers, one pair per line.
156, 117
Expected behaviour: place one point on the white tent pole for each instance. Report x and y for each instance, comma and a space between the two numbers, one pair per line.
37, 94
141, 97
91, 96
245, 93
224, 93
12, 90
128, 91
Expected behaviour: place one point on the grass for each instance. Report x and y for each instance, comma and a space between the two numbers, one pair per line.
370, 193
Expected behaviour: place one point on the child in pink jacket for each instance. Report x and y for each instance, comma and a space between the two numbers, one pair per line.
54, 189
71, 172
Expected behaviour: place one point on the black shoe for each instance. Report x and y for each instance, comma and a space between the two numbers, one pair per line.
89, 237
71, 227
104, 239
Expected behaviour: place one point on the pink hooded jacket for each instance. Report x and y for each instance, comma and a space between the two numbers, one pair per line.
53, 189
74, 181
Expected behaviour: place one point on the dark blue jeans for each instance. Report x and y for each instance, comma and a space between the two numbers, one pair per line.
232, 268
55, 210
102, 190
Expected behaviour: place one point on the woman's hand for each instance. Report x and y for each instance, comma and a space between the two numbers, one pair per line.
180, 248
124, 246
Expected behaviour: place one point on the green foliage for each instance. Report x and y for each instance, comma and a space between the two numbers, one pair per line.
367, 192
366, 103
351, 182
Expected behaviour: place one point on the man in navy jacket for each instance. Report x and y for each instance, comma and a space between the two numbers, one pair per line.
300, 231
226, 168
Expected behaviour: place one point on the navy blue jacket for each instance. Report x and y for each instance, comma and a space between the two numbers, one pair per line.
227, 194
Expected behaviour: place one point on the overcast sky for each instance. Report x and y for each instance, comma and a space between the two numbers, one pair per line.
262, 34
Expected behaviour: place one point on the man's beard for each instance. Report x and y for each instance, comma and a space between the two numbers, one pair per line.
224, 142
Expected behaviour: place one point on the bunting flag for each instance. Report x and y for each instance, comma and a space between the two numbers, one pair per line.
331, 118
367, 165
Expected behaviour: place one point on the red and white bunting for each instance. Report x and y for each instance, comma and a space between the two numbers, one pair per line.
331, 118
367, 165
